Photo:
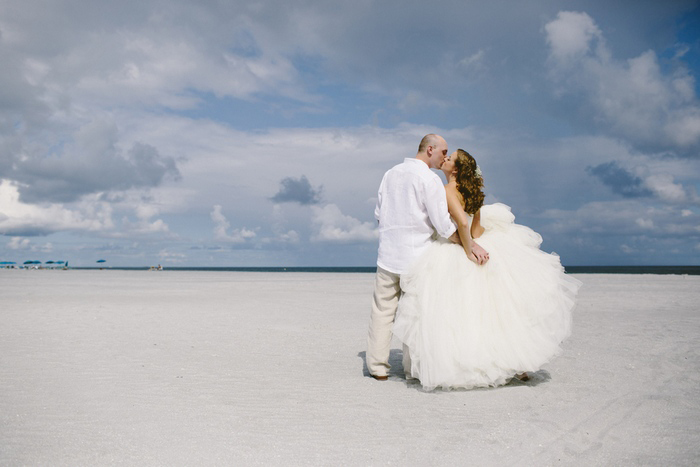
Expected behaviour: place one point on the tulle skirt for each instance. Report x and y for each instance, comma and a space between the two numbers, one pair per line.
469, 326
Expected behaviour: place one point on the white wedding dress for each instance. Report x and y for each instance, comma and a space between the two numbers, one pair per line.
471, 326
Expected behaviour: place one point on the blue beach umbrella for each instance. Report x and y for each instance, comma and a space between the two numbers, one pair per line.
101, 260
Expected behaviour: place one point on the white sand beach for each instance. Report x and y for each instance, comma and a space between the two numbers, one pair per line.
240, 368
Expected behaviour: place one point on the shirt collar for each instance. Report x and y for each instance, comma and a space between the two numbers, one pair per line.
414, 160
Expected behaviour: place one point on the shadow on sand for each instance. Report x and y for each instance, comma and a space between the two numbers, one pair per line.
396, 373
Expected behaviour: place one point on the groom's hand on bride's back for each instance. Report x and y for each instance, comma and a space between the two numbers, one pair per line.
454, 238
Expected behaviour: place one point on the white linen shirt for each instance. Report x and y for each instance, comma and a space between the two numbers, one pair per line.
411, 206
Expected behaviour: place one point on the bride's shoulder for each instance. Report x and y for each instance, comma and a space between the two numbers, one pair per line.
453, 193
452, 188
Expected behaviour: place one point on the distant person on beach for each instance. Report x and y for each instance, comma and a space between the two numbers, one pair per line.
411, 208
468, 326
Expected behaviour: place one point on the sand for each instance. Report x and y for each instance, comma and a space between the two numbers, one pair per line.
239, 368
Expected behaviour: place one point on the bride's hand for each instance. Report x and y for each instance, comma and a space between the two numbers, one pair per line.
482, 256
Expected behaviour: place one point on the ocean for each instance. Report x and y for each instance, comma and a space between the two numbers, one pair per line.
678, 270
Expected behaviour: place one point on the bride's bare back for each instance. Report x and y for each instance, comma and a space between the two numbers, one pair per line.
456, 208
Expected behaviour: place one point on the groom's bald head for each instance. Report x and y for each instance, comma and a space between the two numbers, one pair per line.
432, 150
429, 140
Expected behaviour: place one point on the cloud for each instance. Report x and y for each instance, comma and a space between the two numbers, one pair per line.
666, 189
134, 54
290, 237
335, 227
660, 185
18, 218
655, 110
18, 243
24, 244
116, 118
166, 255
93, 213
571, 37
621, 232
144, 227
627, 249
619, 180
221, 226
297, 191
622, 219
92, 163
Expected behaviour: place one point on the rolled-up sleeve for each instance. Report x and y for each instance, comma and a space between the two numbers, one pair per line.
436, 205
377, 208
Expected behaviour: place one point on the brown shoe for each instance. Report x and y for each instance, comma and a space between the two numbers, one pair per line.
380, 378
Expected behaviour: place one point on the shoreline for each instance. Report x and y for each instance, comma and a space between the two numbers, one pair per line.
654, 270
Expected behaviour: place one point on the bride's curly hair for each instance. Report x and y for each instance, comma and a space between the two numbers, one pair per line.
469, 181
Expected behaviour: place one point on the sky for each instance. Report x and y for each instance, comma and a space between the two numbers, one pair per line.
256, 133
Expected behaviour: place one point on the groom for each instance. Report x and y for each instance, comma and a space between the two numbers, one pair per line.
411, 205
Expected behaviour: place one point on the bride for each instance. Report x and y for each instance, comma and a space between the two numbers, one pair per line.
468, 326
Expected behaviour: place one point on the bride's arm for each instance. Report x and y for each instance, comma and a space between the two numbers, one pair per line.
477, 229
454, 206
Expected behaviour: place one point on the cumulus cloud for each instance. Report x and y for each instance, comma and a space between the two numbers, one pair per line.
662, 186
334, 226
25, 244
144, 227
92, 214
290, 237
91, 163
572, 35
18, 243
633, 98
622, 219
619, 180
221, 227
19, 218
297, 190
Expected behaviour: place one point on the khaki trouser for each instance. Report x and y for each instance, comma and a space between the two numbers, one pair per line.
385, 302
